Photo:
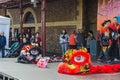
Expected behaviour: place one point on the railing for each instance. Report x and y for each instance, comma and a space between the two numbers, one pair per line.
4, 76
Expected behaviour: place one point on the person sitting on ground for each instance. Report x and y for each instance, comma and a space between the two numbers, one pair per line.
29, 53
24, 56
24, 42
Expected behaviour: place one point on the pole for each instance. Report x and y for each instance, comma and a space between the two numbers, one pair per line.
43, 28
21, 15
5, 11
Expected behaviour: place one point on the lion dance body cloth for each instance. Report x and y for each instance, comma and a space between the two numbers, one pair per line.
79, 62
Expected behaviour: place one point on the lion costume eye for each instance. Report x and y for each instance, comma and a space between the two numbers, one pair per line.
79, 58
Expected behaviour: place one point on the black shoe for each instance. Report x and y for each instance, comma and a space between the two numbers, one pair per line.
99, 61
108, 61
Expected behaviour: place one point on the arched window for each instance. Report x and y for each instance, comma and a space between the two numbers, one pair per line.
29, 18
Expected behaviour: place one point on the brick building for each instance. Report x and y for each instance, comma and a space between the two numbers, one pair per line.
61, 14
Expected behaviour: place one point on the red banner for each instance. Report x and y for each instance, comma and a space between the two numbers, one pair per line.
107, 9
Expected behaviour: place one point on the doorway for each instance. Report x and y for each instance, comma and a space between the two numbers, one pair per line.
90, 8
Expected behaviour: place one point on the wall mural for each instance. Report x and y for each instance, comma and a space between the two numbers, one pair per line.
107, 9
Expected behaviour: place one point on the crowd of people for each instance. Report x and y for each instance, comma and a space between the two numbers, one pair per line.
109, 37
75, 40
29, 48
23, 39
110, 40
34, 38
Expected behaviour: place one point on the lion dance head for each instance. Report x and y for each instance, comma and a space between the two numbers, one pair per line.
79, 62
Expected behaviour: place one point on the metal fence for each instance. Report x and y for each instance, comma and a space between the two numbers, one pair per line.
4, 76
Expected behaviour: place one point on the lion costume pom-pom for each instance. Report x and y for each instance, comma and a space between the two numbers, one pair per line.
79, 62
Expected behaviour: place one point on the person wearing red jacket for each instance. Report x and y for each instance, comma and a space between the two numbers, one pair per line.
115, 30
72, 40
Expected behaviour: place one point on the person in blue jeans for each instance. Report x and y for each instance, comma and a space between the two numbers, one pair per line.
2, 43
105, 38
64, 40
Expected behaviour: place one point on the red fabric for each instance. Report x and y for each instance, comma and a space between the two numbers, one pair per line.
113, 27
64, 68
103, 30
27, 48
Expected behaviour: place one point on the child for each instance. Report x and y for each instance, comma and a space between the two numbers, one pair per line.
105, 42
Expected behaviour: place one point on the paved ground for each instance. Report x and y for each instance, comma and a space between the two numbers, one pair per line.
32, 72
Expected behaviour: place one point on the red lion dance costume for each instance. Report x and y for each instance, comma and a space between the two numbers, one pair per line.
79, 62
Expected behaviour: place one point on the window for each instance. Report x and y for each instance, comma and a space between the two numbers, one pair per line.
29, 18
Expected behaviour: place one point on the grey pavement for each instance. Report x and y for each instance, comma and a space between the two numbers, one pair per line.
32, 72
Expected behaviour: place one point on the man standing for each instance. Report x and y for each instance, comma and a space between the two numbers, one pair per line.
3, 43
115, 43
80, 39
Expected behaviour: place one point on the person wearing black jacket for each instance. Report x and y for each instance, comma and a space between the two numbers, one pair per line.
105, 39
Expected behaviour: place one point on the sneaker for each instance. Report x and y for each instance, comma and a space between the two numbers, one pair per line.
99, 61
116, 60
108, 61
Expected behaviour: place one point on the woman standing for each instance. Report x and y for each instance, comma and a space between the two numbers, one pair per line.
38, 39
64, 40
89, 38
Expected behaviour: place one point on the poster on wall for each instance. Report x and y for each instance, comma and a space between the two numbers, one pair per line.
5, 27
107, 9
